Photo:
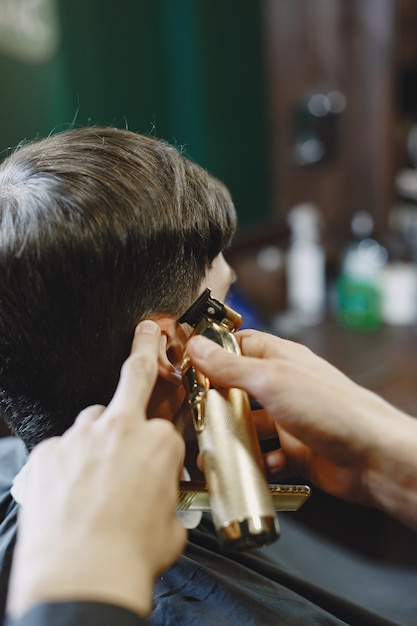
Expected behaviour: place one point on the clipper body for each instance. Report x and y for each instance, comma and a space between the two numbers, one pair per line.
240, 499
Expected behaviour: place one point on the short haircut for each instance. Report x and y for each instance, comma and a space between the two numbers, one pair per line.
99, 228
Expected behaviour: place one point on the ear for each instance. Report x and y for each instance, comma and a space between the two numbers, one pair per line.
172, 346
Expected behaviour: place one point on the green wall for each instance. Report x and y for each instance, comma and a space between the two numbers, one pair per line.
189, 71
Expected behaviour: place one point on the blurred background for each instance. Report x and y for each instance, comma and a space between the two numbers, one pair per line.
307, 110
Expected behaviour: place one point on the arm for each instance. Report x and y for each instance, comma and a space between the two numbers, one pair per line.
98, 522
343, 438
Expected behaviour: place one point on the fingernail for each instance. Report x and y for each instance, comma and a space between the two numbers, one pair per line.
148, 326
201, 347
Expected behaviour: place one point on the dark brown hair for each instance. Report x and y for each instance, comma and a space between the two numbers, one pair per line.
99, 227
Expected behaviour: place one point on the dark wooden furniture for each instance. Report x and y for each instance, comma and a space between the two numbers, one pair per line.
318, 47
384, 360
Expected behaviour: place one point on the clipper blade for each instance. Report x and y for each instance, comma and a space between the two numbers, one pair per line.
194, 496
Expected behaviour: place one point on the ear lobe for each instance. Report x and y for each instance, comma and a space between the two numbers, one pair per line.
172, 347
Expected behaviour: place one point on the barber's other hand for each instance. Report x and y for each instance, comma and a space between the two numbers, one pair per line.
332, 431
98, 521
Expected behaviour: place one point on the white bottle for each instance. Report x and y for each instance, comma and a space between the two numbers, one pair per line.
305, 266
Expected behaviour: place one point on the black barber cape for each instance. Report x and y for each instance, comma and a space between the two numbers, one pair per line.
79, 614
206, 587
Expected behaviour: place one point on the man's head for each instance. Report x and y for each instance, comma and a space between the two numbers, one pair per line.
99, 228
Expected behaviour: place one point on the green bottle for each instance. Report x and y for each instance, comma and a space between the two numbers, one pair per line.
358, 289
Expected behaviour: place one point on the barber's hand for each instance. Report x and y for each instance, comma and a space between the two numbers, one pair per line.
98, 521
331, 430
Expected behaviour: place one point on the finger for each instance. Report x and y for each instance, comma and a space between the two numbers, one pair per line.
262, 345
138, 375
44, 447
40, 461
224, 368
275, 461
200, 462
88, 416
163, 435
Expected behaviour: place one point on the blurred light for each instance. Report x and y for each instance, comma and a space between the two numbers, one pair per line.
270, 259
319, 105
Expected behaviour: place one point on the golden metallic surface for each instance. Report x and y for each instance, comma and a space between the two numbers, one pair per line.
242, 504
193, 496
232, 459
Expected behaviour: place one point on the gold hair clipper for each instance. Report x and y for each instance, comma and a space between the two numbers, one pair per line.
240, 499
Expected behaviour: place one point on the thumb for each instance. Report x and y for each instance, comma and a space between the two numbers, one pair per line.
222, 367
